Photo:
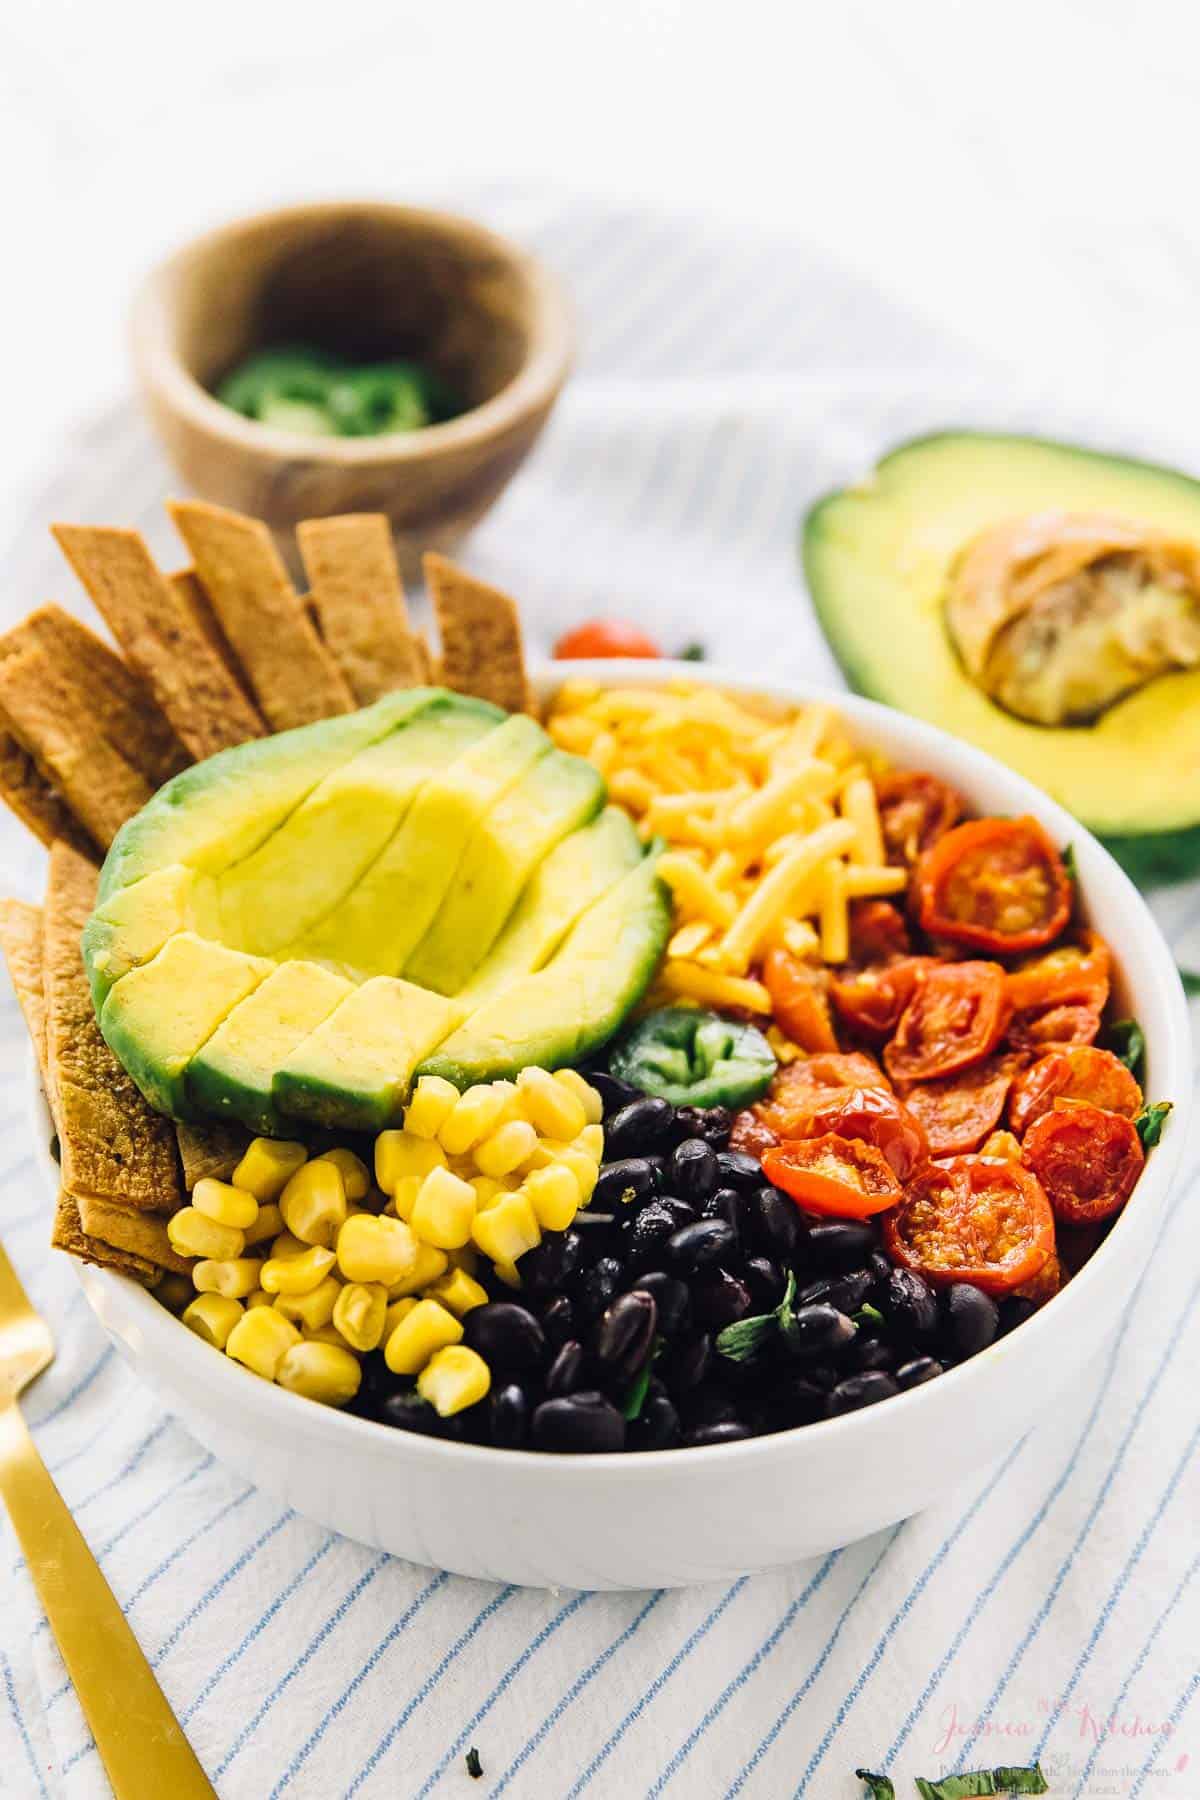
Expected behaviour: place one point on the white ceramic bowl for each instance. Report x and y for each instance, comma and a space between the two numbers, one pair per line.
681, 1516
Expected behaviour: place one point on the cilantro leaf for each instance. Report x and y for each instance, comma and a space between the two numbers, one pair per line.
1023, 1780
1127, 1041
1150, 1121
1191, 982
881, 1787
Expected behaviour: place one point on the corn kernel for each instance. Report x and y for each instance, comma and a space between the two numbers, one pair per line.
212, 1317
458, 1292
234, 1279
591, 1141
313, 1203
454, 1379
174, 1291
405, 1196
359, 1314
268, 1166
259, 1298
431, 1102
443, 1210
506, 1148
424, 1330
399, 1153
584, 1092
227, 1205
356, 1177
553, 1108
189, 1232
313, 1309
320, 1372
553, 1194
295, 1274
429, 1267
382, 1250
583, 1168
465, 1257
325, 1334
397, 1311
285, 1247
260, 1339
474, 1114
487, 1191
508, 1273
268, 1224
506, 1231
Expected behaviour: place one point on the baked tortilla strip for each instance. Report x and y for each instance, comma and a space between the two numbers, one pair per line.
21, 942
68, 1234
136, 1234
294, 679
114, 1145
188, 585
358, 598
480, 628
51, 718
212, 1150
206, 708
27, 793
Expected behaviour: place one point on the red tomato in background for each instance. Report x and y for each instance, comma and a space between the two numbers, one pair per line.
604, 637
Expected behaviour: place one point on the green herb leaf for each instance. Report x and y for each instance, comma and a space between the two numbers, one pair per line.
868, 1315
1071, 865
957, 1787
1026, 1779
1150, 1121
693, 653
1191, 982
880, 1786
1127, 1040
474, 1766
635, 1399
744, 1339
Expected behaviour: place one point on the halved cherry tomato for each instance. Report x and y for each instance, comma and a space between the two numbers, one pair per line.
1075, 1072
838, 1177
799, 1000
1057, 1025
877, 932
914, 811
1045, 1284
796, 1092
604, 637
1001, 1144
959, 1112
1068, 975
1088, 1161
956, 1017
872, 1001
875, 1117
994, 884
973, 1219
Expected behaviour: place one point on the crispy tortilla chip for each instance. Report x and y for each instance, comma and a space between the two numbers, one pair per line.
188, 585
481, 636
134, 1233
294, 678
51, 718
212, 1150
25, 790
431, 668
206, 708
69, 1235
358, 599
21, 942
114, 1146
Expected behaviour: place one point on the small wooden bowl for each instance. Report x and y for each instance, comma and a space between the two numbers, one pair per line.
371, 280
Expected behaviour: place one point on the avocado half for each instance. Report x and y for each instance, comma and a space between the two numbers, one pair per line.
877, 558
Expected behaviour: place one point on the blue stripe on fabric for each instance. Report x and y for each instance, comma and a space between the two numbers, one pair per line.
180, 1549
577, 1686
656, 1686
14, 1707
81, 1387
745, 1672
128, 1466
1173, 1717
505, 1682
206, 1599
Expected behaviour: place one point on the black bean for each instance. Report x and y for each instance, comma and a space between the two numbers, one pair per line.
377, 1378
919, 1370
766, 1282
881, 1270
971, 1318
408, 1412
658, 1168
584, 1423
708, 1404
558, 1321
688, 1362
1013, 1312
872, 1353
595, 1289
656, 1426
712, 1123
700, 1245
773, 1223
820, 1330
910, 1304
839, 1244
719, 1298
799, 1401
505, 1335
508, 1416
670, 1297
549, 1267
846, 1292
649, 1231
723, 1203
566, 1371
725, 1431
738, 1170
623, 1183
823, 1375
638, 1128
861, 1390
692, 1170
625, 1331
614, 1094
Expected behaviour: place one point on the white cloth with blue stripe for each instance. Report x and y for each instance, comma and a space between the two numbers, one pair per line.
1047, 1607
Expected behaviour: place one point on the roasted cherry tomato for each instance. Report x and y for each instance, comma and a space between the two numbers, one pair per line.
1045, 1284
1068, 975
799, 1000
956, 1017
877, 932
1075, 1072
974, 1219
796, 1092
994, 884
959, 1113
838, 1177
604, 637
915, 810
873, 1116
872, 1001
1057, 1025
1087, 1160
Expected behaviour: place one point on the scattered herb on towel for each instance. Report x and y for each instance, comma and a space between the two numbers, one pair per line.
958, 1787
474, 1766
880, 1787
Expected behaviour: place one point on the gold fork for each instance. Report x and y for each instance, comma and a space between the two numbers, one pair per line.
140, 1741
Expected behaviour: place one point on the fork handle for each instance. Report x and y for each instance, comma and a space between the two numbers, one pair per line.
140, 1741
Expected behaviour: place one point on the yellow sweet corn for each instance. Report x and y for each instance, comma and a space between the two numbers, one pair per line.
268, 1166
458, 1292
234, 1279
430, 1266
360, 1312
404, 1198
487, 1191
549, 1105
421, 1332
397, 1311
260, 1339
507, 1230
224, 1204
174, 1291
508, 1273
443, 1210
313, 1309
356, 1177
321, 1372
431, 1103
453, 1379
383, 1250
325, 1334
212, 1317
465, 1257
295, 1274
192, 1234
553, 1194
474, 1114
285, 1247
582, 1168
401, 1153
259, 1298
584, 1092
591, 1141
313, 1203
268, 1224
506, 1148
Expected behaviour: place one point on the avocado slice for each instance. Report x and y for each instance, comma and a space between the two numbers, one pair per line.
157, 1016
135, 922
231, 1075
555, 1016
877, 558
354, 1069
555, 797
